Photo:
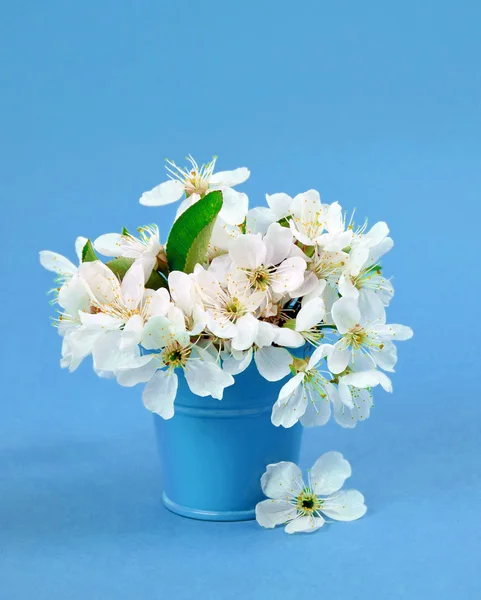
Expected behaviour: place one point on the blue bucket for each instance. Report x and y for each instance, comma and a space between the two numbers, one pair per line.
214, 452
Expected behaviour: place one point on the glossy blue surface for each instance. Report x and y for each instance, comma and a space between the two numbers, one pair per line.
213, 452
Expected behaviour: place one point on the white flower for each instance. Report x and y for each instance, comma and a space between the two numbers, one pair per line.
353, 400
145, 249
305, 327
187, 298
57, 263
328, 266
203, 374
273, 363
306, 396
119, 312
307, 220
261, 266
367, 336
257, 220
229, 316
74, 298
301, 507
367, 248
196, 182
361, 277
311, 222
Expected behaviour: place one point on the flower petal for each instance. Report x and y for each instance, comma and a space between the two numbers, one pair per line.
329, 473
357, 258
206, 378
266, 334
230, 178
109, 244
107, 354
248, 251
278, 241
380, 249
311, 285
365, 379
99, 321
291, 403
155, 303
102, 283
246, 332
183, 291
376, 234
258, 219
345, 505
143, 371
304, 524
310, 315
387, 357
237, 364
319, 353
346, 314
338, 360
270, 513
318, 409
156, 333
160, 392
392, 331
300, 236
74, 297
165, 193
273, 363
346, 286
282, 480
289, 338
280, 204
132, 332
57, 263
235, 206
289, 275
133, 286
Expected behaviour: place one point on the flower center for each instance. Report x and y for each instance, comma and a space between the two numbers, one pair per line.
326, 265
195, 179
356, 336
174, 355
259, 278
307, 502
234, 309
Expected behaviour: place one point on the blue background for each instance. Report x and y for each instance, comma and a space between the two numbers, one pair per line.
377, 105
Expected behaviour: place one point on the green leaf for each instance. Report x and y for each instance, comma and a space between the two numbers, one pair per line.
190, 235
88, 252
125, 231
156, 281
119, 266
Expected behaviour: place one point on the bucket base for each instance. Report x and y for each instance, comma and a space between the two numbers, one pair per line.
207, 515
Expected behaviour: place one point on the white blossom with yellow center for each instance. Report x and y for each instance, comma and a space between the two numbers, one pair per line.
170, 348
195, 182
302, 507
364, 335
118, 312
145, 249
264, 266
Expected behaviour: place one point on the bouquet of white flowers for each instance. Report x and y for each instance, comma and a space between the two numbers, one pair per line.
232, 285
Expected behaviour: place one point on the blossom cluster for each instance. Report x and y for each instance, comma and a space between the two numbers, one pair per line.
294, 286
